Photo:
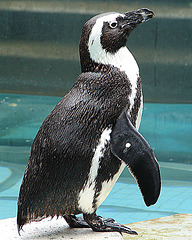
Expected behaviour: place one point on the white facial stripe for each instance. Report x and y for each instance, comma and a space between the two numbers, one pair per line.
122, 59
95, 49
86, 195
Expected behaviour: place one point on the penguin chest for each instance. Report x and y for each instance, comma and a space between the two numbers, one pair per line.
126, 63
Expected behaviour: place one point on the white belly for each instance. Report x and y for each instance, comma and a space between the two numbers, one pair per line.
86, 196
107, 186
138, 121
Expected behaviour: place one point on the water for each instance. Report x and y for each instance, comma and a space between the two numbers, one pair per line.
167, 127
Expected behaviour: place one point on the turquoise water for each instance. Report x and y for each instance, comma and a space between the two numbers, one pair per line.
167, 127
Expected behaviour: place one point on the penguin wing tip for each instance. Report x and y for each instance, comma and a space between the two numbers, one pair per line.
149, 201
148, 204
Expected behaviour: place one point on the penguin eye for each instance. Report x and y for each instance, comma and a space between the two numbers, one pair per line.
113, 24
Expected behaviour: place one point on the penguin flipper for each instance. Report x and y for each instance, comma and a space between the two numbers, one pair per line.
128, 145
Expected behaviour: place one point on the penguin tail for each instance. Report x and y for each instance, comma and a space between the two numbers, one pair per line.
28, 212
21, 220
27, 215
24, 215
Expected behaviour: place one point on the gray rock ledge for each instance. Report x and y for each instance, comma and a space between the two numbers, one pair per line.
51, 229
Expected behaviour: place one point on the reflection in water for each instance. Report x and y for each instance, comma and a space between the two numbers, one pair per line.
167, 127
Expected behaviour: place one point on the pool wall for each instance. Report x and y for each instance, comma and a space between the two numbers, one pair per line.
39, 46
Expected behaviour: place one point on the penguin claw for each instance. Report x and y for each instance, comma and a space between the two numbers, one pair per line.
116, 227
106, 220
99, 224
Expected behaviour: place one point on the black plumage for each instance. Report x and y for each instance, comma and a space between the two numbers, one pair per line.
62, 152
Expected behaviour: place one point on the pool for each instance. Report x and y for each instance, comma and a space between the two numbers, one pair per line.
167, 127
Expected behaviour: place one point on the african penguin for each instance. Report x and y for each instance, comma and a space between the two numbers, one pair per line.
92, 134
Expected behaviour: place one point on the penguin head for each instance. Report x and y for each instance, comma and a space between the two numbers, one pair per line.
107, 33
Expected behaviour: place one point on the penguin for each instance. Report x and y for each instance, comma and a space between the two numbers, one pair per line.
90, 136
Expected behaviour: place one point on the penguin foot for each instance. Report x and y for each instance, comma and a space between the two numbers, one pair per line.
99, 224
76, 222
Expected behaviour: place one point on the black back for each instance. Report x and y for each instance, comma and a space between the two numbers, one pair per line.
62, 151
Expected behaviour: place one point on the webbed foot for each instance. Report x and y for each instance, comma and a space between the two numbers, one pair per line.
99, 224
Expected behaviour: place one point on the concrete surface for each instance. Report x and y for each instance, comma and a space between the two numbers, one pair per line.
175, 227
50, 229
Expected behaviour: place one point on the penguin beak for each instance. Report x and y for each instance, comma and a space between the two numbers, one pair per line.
145, 14
134, 18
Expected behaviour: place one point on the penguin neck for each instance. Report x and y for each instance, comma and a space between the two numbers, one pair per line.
122, 59
99, 58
